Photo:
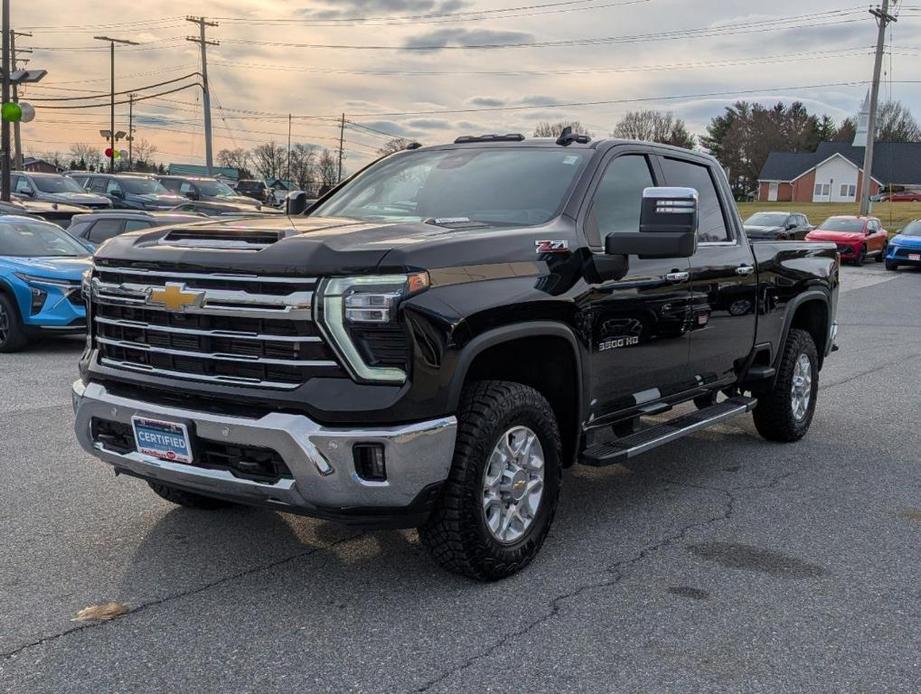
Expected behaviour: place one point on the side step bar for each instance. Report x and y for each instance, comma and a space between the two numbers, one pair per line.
653, 437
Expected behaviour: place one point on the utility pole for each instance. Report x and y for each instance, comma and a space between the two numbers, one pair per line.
131, 131
883, 19
112, 138
5, 128
206, 91
341, 145
288, 167
17, 132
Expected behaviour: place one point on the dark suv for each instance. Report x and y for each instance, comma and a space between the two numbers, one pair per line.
205, 190
129, 191
257, 190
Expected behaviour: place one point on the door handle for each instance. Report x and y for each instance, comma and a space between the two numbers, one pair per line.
677, 276
745, 270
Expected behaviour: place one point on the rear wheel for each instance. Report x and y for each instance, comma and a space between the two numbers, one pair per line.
12, 334
187, 499
502, 492
785, 412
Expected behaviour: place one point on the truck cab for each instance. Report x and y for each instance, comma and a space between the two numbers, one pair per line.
447, 331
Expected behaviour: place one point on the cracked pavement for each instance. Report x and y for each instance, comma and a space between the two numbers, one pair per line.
718, 563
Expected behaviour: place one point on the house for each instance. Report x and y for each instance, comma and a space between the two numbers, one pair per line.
38, 165
834, 172
222, 172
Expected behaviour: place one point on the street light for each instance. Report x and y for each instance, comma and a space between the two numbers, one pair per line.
112, 42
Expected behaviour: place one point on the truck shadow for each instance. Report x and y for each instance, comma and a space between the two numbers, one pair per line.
600, 508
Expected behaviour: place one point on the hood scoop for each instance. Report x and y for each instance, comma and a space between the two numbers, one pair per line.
241, 240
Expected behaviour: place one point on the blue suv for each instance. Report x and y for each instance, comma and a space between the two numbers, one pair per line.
41, 268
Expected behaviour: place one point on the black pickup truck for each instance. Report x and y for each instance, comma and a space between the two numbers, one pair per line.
445, 332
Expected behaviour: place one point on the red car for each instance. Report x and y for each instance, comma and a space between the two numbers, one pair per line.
858, 238
904, 196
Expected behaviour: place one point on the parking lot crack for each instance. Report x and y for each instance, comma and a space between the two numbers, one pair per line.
177, 596
614, 573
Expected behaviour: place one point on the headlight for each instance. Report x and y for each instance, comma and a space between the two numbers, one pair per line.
45, 282
358, 312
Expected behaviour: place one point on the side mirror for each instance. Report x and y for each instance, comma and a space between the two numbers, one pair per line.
191, 194
296, 203
791, 226
117, 194
668, 226
27, 192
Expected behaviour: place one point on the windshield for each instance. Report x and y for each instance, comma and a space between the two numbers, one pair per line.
842, 224
137, 185
491, 187
767, 219
29, 239
215, 189
912, 229
57, 184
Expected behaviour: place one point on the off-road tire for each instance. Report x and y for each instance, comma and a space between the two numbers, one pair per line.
14, 338
456, 533
773, 415
187, 499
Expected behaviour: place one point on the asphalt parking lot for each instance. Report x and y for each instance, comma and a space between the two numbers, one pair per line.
723, 563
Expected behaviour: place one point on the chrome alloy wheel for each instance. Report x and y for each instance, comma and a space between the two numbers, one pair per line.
801, 390
513, 484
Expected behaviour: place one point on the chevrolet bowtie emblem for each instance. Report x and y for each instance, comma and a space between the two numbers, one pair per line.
175, 297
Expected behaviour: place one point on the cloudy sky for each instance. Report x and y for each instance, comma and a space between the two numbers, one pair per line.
433, 69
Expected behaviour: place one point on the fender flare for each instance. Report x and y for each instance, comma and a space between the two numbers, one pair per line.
508, 333
792, 307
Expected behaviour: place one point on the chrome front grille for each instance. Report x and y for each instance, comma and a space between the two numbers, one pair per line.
237, 329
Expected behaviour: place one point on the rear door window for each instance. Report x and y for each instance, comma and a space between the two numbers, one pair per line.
105, 229
686, 174
135, 224
98, 184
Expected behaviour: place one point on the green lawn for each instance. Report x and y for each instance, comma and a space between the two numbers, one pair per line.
894, 215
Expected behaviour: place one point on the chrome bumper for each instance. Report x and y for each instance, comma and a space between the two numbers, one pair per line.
418, 457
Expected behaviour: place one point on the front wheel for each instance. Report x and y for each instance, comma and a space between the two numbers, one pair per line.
502, 492
785, 412
892, 266
861, 257
12, 335
882, 254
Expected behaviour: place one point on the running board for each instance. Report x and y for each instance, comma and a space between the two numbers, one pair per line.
666, 432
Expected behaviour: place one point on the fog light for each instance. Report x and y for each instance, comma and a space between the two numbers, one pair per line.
38, 299
369, 461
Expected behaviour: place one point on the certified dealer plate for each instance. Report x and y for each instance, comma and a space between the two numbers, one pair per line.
164, 440
914, 256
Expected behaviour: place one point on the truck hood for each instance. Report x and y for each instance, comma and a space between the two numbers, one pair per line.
840, 236
50, 268
317, 246
160, 200
75, 198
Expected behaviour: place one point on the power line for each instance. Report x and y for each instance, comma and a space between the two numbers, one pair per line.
120, 103
127, 91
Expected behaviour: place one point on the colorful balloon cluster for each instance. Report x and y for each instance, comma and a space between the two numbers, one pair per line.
119, 153
17, 113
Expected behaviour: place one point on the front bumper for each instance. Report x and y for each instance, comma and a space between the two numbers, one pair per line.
902, 255
323, 481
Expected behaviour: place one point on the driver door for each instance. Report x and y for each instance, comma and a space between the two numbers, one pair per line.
638, 324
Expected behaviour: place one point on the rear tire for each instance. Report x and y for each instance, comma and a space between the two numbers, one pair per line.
12, 333
491, 521
785, 412
187, 499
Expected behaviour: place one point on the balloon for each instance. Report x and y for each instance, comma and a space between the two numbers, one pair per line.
108, 152
123, 153
117, 155
11, 112
28, 112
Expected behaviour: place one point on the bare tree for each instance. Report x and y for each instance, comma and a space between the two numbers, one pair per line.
655, 126
304, 166
327, 169
239, 159
397, 144
143, 152
269, 160
55, 158
546, 129
896, 124
86, 156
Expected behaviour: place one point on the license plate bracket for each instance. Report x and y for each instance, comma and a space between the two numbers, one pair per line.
163, 439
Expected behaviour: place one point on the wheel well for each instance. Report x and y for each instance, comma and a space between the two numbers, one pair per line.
812, 316
545, 363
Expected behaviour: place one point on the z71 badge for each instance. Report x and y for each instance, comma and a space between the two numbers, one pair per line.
618, 343
552, 246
